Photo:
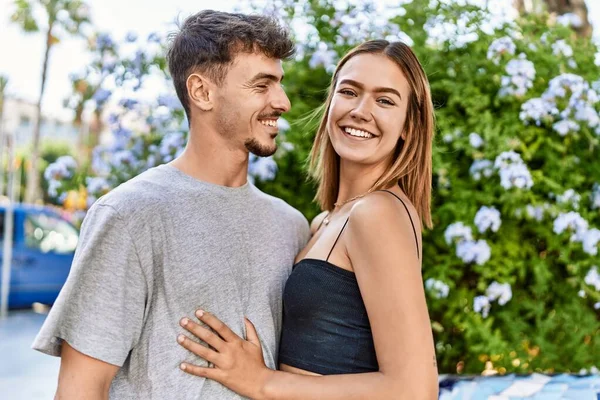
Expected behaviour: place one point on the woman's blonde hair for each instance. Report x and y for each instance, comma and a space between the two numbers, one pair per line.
411, 163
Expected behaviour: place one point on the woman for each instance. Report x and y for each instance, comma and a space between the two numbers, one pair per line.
355, 318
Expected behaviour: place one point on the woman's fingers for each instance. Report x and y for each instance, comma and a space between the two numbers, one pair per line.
223, 330
201, 351
202, 333
209, 373
251, 334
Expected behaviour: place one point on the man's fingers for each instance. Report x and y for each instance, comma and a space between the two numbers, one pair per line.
202, 333
199, 350
223, 330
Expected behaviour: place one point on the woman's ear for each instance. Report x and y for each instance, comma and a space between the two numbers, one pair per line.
402, 135
200, 91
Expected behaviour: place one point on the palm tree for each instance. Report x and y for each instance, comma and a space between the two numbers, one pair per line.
87, 86
560, 7
3, 85
61, 16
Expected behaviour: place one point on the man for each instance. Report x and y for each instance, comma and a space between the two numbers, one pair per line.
193, 234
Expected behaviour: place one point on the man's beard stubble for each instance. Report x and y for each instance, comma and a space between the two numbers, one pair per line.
225, 120
258, 149
255, 147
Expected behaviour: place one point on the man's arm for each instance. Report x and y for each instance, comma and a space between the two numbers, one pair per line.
83, 377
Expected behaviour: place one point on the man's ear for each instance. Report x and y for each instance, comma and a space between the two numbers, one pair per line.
200, 91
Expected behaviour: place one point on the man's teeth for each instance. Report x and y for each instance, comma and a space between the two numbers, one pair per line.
359, 133
268, 122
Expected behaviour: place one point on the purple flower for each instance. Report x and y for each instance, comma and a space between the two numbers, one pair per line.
475, 140
323, 56
101, 96
481, 304
113, 118
488, 218
171, 145
471, 251
263, 168
97, 185
457, 232
128, 103
104, 41
123, 157
154, 37
62, 168
131, 37
170, 101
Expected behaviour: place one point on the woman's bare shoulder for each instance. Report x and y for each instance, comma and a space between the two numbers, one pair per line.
377, 210
317, 221
384, 204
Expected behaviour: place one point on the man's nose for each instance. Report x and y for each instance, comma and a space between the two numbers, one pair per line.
280, 101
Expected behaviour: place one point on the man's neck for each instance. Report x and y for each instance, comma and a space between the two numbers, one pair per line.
210, 158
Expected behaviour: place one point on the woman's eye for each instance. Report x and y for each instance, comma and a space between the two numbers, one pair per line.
386, 102
346, 92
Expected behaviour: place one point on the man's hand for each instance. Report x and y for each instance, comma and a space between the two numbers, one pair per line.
83, 377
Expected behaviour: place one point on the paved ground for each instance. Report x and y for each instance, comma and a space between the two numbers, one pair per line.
25, 374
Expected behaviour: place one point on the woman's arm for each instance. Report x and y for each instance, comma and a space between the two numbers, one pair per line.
381, 245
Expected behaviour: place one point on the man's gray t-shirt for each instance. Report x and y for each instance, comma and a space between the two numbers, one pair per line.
156, 249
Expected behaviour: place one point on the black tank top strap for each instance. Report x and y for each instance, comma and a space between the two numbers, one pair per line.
409, 217
338, 238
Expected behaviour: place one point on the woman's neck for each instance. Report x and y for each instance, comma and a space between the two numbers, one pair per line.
357, 179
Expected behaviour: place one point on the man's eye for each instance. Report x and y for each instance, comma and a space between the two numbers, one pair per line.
386, 102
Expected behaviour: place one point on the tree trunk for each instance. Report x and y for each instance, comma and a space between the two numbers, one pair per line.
32, 193
2, 88
577, 7
559, 7
3, 84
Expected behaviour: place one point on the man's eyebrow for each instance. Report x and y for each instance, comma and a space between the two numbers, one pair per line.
263, 75
376, 90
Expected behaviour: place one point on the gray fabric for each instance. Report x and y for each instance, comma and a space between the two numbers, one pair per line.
156, 249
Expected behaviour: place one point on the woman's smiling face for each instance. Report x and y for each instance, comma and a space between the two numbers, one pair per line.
368, 109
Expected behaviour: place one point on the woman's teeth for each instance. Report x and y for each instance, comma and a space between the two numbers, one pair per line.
268, 122
358, 133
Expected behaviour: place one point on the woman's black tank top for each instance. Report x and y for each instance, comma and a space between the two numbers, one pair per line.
326, 329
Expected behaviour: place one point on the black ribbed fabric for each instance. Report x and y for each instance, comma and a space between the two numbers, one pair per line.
325, 325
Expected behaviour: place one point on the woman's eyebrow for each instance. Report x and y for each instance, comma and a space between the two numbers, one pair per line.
376, 90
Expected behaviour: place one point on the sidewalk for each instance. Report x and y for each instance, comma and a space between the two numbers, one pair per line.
25, 374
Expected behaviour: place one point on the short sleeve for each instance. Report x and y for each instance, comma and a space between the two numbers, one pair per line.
100, 309
303, 232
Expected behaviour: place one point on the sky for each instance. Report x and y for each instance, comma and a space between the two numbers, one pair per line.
21, 54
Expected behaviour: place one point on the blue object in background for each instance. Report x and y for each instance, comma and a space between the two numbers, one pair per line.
43, 248
528, 387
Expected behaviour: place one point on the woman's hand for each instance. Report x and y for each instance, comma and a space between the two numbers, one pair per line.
239, 363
